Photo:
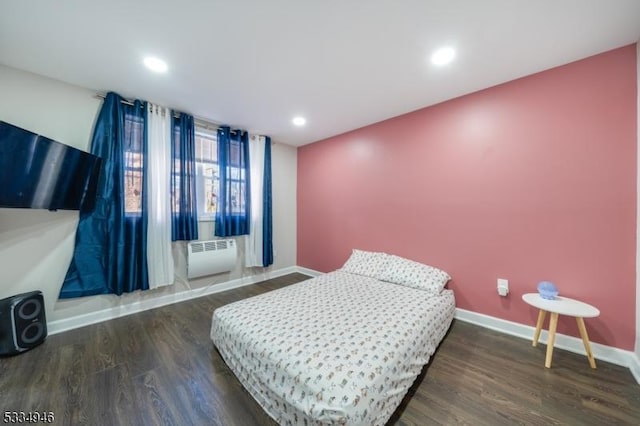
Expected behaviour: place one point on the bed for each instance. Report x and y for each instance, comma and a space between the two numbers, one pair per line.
341, 348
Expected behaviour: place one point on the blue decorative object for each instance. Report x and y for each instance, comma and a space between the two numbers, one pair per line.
547, 290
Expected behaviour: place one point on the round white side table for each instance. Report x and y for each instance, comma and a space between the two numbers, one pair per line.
561, 306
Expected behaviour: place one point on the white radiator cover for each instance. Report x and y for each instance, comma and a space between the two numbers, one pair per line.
210, 257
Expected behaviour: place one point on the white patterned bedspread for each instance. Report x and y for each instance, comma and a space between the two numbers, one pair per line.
337, 349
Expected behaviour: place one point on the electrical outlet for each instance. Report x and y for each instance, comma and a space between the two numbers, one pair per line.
503, 287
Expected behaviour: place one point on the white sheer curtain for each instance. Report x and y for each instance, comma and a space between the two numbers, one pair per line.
159, 256
253, 255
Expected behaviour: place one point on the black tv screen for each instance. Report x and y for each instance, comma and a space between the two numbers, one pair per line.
39, 173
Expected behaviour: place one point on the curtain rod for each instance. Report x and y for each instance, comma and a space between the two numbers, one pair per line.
208, 125
128, 102
199, 121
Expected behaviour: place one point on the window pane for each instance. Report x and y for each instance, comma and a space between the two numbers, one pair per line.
207, 183
237, 197
210, 170
176, 141
211, 191
133, 158
175, 196
133, 128
234, 155
133, 191
234, 173
206, 148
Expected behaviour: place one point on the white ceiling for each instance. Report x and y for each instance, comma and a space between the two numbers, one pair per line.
342, 64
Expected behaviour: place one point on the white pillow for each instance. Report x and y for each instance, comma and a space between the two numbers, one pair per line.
414, 274
367, 263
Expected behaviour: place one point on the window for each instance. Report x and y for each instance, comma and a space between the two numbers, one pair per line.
133, 158
207, 173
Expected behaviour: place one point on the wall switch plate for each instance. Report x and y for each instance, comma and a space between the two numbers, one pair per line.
503, 287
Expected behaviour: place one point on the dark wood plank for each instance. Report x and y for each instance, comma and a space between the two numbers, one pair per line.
159, 367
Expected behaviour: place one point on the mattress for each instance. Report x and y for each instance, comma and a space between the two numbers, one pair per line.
337, 349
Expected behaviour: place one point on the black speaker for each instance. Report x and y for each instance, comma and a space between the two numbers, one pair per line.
22, 322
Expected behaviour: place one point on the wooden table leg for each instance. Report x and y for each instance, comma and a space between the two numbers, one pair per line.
553, 324
585, 340
541, 316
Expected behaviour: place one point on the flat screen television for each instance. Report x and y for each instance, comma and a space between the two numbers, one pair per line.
39, 173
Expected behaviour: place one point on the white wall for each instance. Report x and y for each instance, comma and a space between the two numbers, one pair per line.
36, 245
284, 166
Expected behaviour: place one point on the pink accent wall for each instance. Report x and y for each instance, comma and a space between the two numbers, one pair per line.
531, 180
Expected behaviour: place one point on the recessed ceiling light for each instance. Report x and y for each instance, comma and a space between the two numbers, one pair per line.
155, 64
299, 121
443, 56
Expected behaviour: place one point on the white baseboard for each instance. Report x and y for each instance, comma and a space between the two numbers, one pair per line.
573, 344
59, 326
635, 367
308, 271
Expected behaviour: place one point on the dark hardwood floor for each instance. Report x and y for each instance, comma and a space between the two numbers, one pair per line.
159, 367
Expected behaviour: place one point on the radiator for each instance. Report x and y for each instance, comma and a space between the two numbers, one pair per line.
210, 257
